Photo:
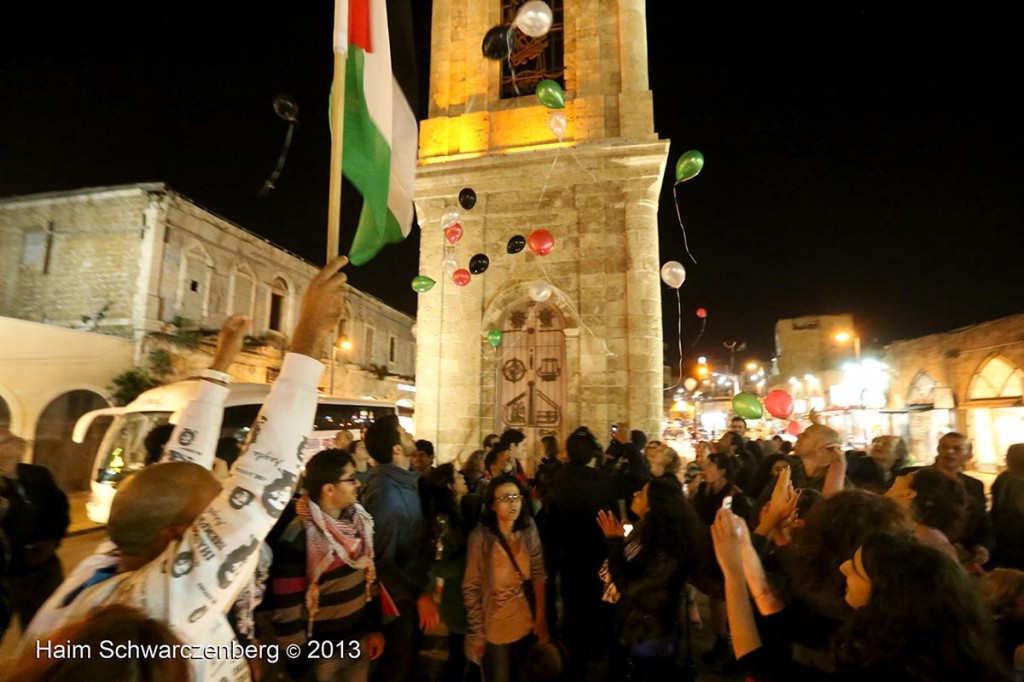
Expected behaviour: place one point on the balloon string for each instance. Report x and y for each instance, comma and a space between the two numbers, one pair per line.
679, 216
572, 150
703, 324
511, 67
679, 338
268, 184
547, 178
576, 314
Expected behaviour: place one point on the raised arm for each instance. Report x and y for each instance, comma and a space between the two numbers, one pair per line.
201, 574
727, 533
195, 436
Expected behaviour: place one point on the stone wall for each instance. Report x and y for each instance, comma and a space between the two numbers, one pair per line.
72, 255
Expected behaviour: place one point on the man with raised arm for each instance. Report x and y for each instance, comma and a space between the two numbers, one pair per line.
187, 546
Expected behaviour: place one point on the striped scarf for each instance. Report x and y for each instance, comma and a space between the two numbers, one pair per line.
611, 593
349, 538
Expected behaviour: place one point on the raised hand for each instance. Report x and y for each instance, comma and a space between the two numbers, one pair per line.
230, 341
610, 525
728, 532
322, 306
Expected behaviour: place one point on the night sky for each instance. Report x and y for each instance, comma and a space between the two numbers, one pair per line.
858, 160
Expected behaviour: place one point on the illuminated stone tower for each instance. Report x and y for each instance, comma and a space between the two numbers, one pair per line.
591, 354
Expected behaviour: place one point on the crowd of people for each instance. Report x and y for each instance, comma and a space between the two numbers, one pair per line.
585, 561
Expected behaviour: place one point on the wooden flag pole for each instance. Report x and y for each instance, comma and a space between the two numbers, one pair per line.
337, 147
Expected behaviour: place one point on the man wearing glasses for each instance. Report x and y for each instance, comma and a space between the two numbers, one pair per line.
323, 570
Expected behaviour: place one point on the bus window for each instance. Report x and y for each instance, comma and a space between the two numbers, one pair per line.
125, 452
336, 417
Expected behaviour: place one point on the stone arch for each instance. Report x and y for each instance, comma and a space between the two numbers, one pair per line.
922, 386
70, 463
10, 410
517, 291
195, 272
996, 377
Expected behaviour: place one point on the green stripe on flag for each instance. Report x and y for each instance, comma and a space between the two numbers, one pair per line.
366, 163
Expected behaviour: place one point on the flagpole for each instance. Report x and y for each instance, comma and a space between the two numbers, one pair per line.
337, 146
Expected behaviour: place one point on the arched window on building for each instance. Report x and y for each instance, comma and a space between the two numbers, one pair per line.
921, 389
70, 463
995, 413
5, 414
242, 291
194, 277
277, 318
997, 378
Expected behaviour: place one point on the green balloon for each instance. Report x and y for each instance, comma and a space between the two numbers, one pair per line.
421, 284
494, 338
551, 94
747, 405
689, 165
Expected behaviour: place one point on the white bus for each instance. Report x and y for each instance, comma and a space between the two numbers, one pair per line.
122, 450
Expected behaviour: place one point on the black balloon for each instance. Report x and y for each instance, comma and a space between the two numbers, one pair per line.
467, 198
497, 44
516, 244
479, 263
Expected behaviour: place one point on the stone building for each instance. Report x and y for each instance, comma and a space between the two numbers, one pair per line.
591, 353
969, 380
96, 281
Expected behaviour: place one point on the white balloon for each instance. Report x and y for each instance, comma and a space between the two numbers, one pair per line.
673, 274
448, 219
540, 291
558, 123
449, 264
690, 384
534, 18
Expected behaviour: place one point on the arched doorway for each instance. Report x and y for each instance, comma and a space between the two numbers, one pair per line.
69, 462
5, 414
995, 401
531, 372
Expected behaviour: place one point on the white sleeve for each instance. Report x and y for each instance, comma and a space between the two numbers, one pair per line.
200, 575
195, 436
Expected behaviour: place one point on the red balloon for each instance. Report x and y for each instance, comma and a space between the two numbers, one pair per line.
541, 242
701, 313
453, 233
794, 428
779, 404
461, 277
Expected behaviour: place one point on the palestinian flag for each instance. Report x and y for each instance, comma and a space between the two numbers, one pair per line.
380, 127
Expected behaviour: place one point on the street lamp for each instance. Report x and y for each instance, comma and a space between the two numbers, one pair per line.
843, 337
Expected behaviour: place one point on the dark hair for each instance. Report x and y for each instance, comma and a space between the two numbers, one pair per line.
763, 475
492, 455
638, 439
511, 437
1015, 458
489, 519
726, 463
735, 440
582, 446
737, 418
550, 445
354, 445
381, 438
426, 446
940, 502
835, 527
439, 498
489, 440
923, 619
117, 624
323, 468
155, 441
670, 527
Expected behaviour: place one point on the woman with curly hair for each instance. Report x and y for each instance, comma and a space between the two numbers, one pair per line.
645, 574
917, 616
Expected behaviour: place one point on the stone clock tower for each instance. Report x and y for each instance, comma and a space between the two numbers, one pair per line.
591, 353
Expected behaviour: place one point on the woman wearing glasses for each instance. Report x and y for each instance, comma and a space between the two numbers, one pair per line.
504, 585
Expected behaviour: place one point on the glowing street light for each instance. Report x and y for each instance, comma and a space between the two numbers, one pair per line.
344, 344
843, 337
